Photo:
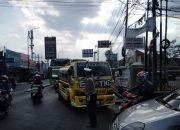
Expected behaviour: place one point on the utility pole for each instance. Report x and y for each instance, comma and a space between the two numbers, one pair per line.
154, 46
38, 62
94, 56
160, 38
28, 55
4, 60
30, 36
146, 44
165, 59
126, 24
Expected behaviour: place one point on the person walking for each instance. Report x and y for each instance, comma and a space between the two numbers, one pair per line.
91, 98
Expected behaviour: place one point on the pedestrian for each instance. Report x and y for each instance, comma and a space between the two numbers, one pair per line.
91, 98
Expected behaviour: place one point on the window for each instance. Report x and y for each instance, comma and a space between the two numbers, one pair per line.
99, 69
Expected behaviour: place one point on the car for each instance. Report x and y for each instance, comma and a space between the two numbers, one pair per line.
161, 113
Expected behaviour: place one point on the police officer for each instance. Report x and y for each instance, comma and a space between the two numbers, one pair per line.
91, 98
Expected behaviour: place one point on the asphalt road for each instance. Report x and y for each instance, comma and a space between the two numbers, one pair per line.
50, 114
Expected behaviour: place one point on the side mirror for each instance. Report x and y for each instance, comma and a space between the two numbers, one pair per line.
70, 71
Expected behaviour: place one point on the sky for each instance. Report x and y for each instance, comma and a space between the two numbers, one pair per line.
76, 24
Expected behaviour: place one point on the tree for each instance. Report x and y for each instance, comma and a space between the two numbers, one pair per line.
174, 50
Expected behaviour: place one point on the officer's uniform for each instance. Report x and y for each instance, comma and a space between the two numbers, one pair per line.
91, 98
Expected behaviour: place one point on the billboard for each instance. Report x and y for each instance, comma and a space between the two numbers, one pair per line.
87, 53
50, 47
104, 44
131, 43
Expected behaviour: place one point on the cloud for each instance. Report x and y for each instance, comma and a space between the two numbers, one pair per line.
76, 25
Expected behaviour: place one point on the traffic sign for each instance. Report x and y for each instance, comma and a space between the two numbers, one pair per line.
87, 53
104, 44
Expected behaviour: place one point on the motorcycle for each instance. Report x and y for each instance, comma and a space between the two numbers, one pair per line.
128, 100
36, 92
4, 101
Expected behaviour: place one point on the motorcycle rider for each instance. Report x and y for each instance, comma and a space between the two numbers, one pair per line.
145, 89
5, 85
37, 81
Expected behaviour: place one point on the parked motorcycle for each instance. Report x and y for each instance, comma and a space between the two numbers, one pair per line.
4, 101
36, 92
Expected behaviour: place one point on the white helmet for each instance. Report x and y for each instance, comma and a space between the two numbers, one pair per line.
4, 76
36, 75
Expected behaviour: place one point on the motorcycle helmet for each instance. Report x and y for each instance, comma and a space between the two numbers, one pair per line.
36, 75
142, 75
4, 76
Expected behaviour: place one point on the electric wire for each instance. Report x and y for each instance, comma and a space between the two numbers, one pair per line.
121, 29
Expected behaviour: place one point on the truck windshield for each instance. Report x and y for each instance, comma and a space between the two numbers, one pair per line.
55, 71
99, 68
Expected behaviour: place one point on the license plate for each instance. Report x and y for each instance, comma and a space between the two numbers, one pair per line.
34, 90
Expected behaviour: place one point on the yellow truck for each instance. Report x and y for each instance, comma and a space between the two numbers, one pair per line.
72, 83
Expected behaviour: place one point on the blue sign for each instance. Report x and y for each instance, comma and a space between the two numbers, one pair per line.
12, 58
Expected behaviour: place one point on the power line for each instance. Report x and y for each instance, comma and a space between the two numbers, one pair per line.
112, 19
117, 23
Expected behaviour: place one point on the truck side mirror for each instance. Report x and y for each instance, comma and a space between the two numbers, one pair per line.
70, 71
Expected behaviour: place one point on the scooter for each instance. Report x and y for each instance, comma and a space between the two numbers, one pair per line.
36, 92
4, 101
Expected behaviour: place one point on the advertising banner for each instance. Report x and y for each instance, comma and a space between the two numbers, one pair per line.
148, 26
50, 47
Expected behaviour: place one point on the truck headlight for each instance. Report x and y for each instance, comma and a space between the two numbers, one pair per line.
134, 126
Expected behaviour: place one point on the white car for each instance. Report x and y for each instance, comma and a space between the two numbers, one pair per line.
162, 113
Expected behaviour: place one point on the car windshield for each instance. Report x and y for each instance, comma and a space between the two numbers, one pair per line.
99, 68
171, 100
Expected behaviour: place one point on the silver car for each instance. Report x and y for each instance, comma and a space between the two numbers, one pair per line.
162, 113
